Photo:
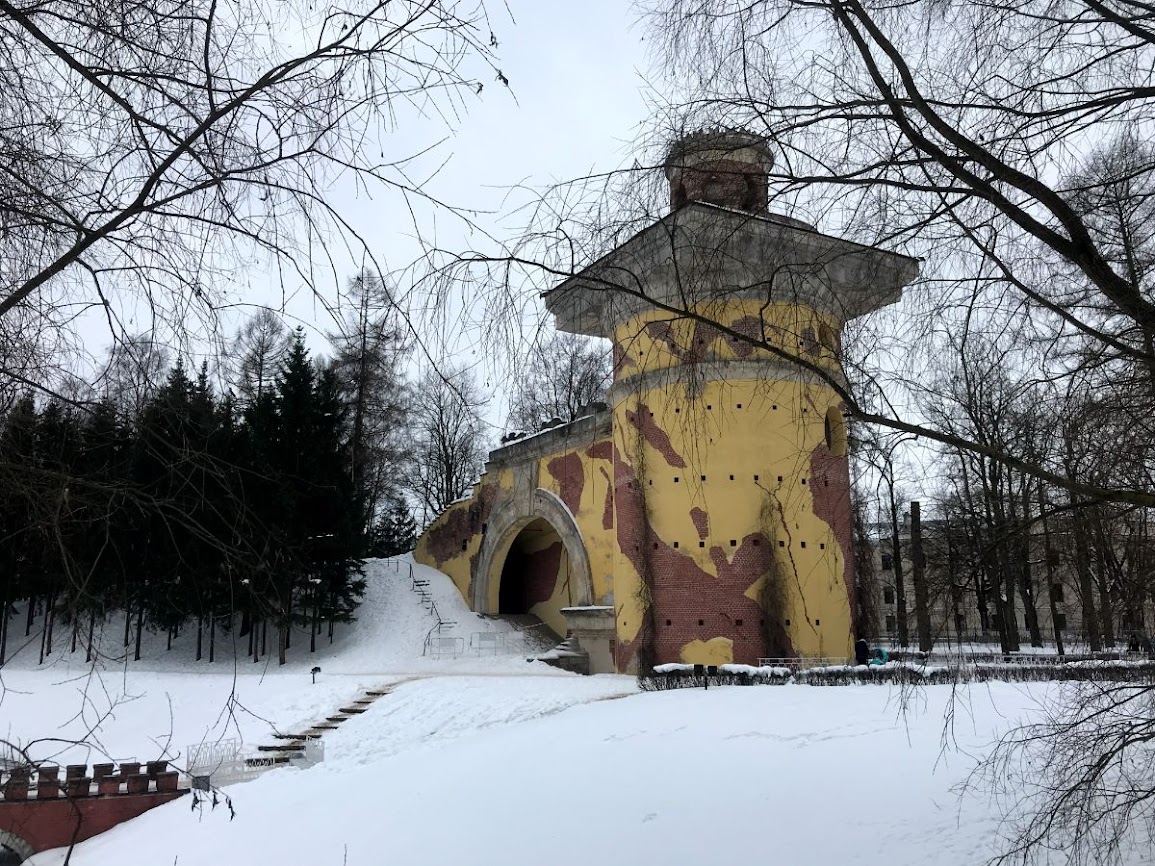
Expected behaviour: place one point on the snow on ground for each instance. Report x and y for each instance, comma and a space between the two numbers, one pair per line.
496, 761
794, 775
167, 701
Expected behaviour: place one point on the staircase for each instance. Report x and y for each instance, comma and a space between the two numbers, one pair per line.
294, 746
221, 763
569, 656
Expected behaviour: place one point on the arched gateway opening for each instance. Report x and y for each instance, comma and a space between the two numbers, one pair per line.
13, 849
532, 560
535, 571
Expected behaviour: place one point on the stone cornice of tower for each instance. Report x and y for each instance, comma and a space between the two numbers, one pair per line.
703, 254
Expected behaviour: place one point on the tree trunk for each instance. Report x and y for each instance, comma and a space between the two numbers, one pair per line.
956, 595
1106, 607
139, 629
31, 614
1086, 590
4, 612
200, 636
212, 638
90, 654
49, 622
896, 564
918, 578
1049, 556
1026, 584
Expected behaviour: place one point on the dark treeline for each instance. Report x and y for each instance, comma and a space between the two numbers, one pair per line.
191, 510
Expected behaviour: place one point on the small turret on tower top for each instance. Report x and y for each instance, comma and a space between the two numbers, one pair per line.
728, 168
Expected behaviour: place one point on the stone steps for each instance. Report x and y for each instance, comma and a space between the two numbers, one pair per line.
291, 745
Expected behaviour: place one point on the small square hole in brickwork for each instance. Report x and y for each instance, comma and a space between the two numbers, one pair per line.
779, 479
675, 479
709, 406
787, 622
822, 547
825, 483
651, 482
733, 542
651, 414
703, 477
803, 480
701, 544
775, 407
731, 477
677, 410
803, 543
781, 543
739, 405
755, 540
675, 545
669, 622
818, 622
737, 622
701, 622
755, 477
655, 545
464, 543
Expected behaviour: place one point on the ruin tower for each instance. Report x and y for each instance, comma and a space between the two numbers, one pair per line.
730, 480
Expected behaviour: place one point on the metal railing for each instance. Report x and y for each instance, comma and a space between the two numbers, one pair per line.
224, 763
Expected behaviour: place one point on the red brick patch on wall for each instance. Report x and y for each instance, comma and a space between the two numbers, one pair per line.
655, 436
567, 471
830, 488
682, 592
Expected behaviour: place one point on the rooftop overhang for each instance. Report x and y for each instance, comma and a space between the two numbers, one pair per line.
702, 254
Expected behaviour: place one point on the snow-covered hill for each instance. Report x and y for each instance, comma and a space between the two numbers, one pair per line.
158, 706
388, 634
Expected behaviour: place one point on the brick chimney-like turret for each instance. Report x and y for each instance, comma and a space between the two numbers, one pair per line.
727, 168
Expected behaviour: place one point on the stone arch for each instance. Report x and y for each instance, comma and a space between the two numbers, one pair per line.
505, 523
13, 843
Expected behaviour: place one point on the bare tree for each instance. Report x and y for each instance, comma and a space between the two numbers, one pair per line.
369, 350
563, 374
149, 150
136, 368
256, 353
448, 442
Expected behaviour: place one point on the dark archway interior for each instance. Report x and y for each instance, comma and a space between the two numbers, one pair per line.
530, 570
8, 857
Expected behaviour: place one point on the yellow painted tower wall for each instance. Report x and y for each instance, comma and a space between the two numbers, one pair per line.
733, 511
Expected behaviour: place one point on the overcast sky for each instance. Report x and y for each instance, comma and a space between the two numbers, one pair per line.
580, 91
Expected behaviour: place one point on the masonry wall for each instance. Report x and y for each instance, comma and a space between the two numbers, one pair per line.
733, 520
574, 463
